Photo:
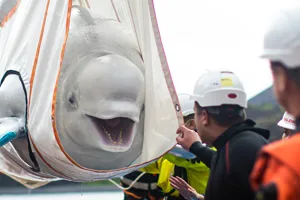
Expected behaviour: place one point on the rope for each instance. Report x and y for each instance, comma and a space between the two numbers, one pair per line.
130, 186
84, 3
87, 3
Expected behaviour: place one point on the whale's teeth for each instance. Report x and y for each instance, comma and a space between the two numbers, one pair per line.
110, 138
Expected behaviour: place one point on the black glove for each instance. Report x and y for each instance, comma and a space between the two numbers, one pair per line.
195, 160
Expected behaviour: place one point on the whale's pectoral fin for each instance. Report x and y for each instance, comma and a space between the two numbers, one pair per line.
10, 129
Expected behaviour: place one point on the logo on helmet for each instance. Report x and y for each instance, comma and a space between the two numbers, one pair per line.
289, 120
232, 96
226, 81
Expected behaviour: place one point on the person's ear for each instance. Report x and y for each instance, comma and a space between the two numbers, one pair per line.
191, 124
205, 118
283, 87
281, 79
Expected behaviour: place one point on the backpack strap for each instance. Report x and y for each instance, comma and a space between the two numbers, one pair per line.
227, 157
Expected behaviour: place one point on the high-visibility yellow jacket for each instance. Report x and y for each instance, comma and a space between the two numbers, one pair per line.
197, 173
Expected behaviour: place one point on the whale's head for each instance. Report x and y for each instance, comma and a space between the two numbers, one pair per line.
103, 102
100, 95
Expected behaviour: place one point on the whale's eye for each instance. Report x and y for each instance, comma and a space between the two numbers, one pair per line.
72, 100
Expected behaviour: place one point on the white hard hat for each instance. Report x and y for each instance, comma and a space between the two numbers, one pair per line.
216, 88
287, 121
187, 105
282, 40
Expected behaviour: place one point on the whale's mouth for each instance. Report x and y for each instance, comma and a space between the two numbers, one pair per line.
115, 132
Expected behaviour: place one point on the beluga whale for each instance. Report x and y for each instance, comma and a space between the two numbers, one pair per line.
100, 97
86, 93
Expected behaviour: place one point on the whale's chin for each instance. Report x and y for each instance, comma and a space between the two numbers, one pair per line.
116, 134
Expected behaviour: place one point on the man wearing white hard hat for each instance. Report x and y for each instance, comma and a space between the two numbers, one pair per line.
220, 103
288, 124
276, 174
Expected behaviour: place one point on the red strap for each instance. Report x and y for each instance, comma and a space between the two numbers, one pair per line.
227, 158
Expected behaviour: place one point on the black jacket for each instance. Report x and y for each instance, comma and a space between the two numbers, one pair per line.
232, 164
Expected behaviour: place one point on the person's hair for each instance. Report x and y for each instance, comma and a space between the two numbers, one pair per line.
224, 115
188, 117
293, 74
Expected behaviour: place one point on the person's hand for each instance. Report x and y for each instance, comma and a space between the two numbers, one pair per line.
187, 137
185, 189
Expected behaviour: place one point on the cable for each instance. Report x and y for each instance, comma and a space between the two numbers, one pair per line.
130, 186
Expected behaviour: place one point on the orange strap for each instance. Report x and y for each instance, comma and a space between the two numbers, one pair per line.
132, 194
34, 69
10, 14
37, 53
139, 197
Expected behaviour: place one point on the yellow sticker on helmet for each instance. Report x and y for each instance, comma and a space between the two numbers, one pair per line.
226, 81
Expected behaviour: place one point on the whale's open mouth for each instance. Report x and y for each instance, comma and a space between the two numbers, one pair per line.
116, 132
